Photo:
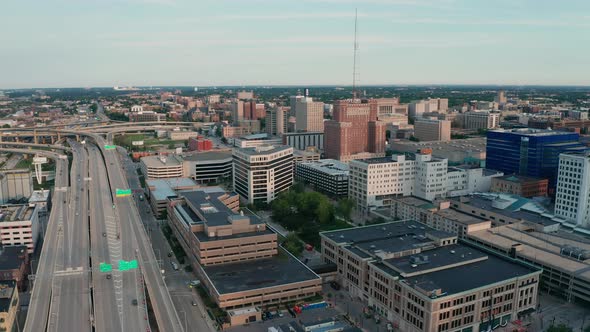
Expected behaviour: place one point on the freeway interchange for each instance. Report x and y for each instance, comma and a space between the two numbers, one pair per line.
88, 226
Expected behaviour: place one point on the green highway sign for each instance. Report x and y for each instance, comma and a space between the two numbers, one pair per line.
109, 147
127, 265
122, 192
104, 267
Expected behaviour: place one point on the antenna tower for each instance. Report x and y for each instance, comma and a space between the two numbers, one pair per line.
356, 47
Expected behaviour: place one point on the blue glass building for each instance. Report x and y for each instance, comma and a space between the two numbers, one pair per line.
530, 152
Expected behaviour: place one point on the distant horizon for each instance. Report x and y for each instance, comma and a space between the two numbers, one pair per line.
304, 86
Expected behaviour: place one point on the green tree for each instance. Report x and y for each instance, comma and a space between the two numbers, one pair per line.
344, 208
293, 245
387, 134
559, 328
6, 126
414, 139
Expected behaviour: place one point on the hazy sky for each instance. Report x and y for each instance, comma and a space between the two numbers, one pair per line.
68, 43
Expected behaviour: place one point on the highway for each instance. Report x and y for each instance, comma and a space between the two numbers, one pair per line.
161, 302
71, 301
42, 287
112, 239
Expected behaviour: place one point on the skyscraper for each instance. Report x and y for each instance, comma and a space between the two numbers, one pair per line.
354, 130
309, 115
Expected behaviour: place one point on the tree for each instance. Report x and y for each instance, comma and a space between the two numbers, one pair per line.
344, 208
387, 134
559, 328
414, 139
171, 146
293, 245
6, 126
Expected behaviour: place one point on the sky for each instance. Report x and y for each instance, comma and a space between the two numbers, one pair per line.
86, 43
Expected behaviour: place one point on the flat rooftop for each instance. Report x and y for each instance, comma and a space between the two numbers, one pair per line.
6, 291
159, 161
39, 196
544, 248
20, 212
10, 257
328, 166
436, 258
162, 189
520, 178
454, 150
532, 132
209, 156
279, 270
481, 273
513, 210
382, 232
263, 149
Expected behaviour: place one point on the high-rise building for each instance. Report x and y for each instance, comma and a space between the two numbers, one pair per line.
354, 130
262, 172
432, 130
253, 110
501, 97
237, 111
572, 199
529, 152
293, 103
276, 121
309, 115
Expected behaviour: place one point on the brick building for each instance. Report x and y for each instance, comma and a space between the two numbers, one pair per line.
524, 186
354, 130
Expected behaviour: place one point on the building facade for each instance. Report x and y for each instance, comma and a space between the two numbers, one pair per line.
408, 272
524, 186
161, 167
229, 250
261, 173
302, 141
354, 129
481, 120
432, 130
207, 167
19, 225
572, 199
276, 121
9, 306
15, 184
327, 175
309, 115
529, 152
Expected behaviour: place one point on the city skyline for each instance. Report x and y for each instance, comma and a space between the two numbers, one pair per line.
229, 43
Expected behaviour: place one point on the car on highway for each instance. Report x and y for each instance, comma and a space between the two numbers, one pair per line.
134, 301
194, 283
104, 234
109, 276
174, 266
193, 303
170, 254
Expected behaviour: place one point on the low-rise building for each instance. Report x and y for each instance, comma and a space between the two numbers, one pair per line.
481, 120
438, 215
181, 135
208, 167
504, 209
465, 179
329, 176
161, 167
432, 130
199, 144
230, 250
9, 305
307, 155
19, 225
160, 191
146, 116
41, 198
254, 140
14, 265
459, 151
520, 185
408, 272
563, 256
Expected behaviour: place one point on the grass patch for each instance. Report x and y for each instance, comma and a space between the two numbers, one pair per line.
44, 185
24, 163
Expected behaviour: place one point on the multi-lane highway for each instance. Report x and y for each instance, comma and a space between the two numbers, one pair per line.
162, 305
71, 307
